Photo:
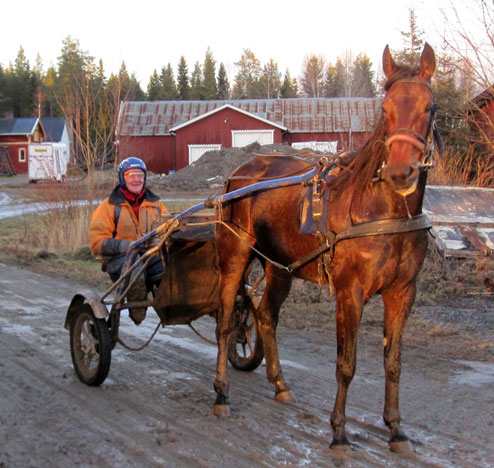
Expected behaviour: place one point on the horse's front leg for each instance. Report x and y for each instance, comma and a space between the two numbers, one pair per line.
349, 306
397, 306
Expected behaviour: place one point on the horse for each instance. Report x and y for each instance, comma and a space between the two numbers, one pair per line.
374, 241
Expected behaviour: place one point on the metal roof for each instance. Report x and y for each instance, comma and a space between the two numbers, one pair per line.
462, 219
226, 106
300, 115
21, 126
54, 127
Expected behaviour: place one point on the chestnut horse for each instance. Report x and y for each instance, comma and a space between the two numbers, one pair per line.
383, 180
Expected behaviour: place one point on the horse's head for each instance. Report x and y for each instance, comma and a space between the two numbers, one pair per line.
408, 109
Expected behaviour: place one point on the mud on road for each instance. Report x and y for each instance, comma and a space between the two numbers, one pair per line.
155, 407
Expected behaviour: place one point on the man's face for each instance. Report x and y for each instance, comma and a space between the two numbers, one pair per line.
134, 180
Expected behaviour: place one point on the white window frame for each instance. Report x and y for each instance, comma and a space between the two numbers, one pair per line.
206, 148
22, 155
240, 132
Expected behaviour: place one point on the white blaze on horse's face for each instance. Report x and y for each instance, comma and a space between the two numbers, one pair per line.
408, 108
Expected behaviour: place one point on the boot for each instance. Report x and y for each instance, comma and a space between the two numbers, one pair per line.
137, 292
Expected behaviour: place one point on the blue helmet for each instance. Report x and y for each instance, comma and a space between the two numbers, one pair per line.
130, 163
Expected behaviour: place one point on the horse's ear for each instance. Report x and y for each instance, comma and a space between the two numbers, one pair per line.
427, 62
389, 66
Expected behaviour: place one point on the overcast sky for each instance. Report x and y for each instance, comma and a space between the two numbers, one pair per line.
148, 34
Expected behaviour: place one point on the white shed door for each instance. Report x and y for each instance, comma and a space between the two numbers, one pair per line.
196, 151
246, 137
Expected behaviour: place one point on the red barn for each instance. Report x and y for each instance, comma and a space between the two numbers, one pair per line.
16, 135
169, 135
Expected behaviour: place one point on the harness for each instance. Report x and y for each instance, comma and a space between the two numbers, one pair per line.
314, 205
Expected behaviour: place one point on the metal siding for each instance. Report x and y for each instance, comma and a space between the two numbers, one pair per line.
162, 115
158, 152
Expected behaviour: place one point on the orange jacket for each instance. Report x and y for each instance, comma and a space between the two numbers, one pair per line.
107, 241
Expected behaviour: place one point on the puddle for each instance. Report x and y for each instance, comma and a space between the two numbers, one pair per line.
476, 374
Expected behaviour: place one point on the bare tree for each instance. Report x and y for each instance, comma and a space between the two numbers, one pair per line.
470, 39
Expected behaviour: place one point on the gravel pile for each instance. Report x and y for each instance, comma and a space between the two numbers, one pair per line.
213, 167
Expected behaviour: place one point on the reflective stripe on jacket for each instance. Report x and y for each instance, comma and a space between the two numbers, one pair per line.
129, 227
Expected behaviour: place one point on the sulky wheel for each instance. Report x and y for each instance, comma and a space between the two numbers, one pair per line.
245, 350
90, 346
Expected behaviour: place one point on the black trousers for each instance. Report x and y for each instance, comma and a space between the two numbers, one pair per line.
152, 274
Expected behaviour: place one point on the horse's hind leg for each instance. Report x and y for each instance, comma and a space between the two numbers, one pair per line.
397, 306
349, 306
233, 263
278, 283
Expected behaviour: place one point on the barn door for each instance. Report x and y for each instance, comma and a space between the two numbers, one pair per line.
246, 137
196, 151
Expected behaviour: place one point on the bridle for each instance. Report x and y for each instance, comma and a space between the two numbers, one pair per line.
423, 144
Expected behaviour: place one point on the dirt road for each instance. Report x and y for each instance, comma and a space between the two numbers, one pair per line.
155, 408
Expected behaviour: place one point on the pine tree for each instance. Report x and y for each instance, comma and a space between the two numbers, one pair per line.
362, 83
341, 79
50, 107
4, 93
196, 83
223, 84
288, 88
209, 85
413, 41
313, 76
23, 87
154, 87
183, 87
329, 90
168, 85
270, 81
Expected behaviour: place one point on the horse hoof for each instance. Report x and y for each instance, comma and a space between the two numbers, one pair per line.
403, 447
221, 411
285, 396
340, 447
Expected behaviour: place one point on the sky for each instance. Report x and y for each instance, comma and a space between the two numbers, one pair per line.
149, 34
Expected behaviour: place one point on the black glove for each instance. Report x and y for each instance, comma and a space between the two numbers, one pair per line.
111, 247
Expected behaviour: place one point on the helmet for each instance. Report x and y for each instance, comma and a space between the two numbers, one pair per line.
130, 163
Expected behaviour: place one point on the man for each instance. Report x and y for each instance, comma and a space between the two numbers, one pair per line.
130, 212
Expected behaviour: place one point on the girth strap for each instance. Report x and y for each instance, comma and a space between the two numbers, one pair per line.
369, 228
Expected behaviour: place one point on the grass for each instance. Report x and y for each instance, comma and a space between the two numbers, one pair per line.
56, 239
56, 242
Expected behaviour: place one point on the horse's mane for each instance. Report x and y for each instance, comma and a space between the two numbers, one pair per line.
366, 161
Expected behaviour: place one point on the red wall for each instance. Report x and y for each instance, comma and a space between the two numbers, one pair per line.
484, 121
14, 143
217, 129
158, 152
171, 152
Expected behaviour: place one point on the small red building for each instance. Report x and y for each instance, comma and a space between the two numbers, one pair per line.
169, 135
483, 118
16, 135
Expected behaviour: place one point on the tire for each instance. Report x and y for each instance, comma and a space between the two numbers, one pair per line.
90, 346
245, 350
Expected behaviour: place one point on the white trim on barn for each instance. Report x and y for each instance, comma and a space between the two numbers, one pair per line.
323, 146
196, 151
226, 106
242, 138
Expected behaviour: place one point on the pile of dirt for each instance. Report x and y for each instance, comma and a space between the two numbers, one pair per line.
211, 169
